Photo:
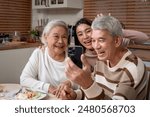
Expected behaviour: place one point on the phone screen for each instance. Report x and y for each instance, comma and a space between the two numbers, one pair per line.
75, 53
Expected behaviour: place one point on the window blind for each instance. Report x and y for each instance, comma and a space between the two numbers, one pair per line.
134, 14
15, 15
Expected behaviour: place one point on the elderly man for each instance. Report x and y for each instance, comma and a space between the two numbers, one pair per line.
118, 73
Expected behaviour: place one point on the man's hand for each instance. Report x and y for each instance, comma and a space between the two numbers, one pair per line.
68, 94
80, 76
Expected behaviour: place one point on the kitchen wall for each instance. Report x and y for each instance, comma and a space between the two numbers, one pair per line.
69, 15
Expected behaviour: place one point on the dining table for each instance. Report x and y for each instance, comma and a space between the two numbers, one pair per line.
8, 91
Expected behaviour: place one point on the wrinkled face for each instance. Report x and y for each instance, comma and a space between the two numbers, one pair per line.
57, 40
104, 45
84, 35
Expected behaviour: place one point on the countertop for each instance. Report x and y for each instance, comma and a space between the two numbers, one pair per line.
142, 51
18, 45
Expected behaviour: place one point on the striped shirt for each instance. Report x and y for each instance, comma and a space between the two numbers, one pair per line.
127, 80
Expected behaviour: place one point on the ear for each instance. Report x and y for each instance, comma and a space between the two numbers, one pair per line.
118, 41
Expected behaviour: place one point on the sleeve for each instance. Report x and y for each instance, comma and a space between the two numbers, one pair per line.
29, 74
94, 92
80, 94
122, 92
135, 36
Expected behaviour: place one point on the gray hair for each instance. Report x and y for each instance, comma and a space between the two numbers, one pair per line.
50, 26
108, 23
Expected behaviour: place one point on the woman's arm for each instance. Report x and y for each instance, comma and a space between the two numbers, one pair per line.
30, 74
135, 36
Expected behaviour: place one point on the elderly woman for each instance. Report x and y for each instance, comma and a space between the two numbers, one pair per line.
45, 68
118, 73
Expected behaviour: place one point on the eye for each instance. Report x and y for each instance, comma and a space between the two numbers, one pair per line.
56, 36
93, 40
64, 37
101, 40
79, 34
88, 31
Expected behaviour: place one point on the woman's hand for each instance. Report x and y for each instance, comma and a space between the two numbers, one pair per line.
68, 94
42, 47
60, 88
52, 90
101, 14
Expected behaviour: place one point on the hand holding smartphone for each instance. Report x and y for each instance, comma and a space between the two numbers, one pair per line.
74, 52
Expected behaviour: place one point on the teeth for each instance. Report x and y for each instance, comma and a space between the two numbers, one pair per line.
87, 41
100, 52
59, 46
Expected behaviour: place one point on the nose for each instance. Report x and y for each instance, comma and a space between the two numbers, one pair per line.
96, 44
60, 40
85, 35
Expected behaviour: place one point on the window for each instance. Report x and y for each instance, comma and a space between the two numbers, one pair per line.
15, 15
135, 14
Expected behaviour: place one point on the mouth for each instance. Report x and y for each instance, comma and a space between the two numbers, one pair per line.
59, 46
88, 42
101, 53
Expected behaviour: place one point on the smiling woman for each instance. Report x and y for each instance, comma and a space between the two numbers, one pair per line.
45, 69
15, 16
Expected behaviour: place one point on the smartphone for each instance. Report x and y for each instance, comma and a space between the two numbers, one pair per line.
75, 53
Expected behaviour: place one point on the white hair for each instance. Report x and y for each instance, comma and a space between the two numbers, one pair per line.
50, 26
108, 23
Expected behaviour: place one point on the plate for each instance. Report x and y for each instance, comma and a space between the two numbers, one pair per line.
40, 97
24, 96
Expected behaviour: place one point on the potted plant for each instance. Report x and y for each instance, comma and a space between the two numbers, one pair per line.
34, 35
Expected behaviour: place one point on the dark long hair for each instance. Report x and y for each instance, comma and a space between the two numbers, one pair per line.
81, 21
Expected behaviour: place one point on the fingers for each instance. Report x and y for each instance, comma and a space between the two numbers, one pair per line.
68, 69
101, 14
86, 64
84, 60
51, 89
68, 93
109, 14
59, 90
71, 67
64, 93
42, 47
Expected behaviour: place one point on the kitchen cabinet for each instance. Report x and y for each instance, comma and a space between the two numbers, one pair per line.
57, 4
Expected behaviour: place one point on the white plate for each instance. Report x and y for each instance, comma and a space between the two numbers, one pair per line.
42, 96
39, 96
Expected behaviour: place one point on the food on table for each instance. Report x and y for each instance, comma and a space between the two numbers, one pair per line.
28, 95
